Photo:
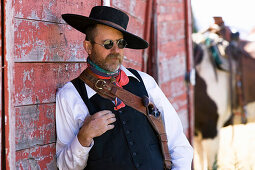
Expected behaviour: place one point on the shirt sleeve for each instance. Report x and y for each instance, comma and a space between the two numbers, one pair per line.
179, 147
70, 114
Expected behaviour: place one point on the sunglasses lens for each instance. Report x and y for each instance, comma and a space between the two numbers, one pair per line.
121, 43
108, 44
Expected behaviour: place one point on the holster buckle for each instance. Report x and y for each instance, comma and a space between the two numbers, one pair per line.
100, 84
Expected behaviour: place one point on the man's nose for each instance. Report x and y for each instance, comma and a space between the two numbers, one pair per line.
115, 48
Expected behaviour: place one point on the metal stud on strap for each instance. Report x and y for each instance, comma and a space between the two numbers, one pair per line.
100, 84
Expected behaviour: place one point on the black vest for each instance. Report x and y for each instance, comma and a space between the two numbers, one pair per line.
132, 144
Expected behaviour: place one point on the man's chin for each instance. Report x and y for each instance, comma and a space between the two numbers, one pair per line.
113, 69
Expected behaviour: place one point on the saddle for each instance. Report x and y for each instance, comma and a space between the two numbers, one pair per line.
248, 78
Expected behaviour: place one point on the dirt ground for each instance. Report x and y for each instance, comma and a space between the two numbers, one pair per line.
237, 147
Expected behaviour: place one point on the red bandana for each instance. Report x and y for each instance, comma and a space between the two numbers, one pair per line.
121, 80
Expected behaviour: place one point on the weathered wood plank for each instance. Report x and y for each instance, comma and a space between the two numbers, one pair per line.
172, 67
172, 53
174, 88
51, 10
37, 40
39, 157
37, 82
171, 11
45, 41
136, 11
171, 31
168, 49
134, 8
35, 125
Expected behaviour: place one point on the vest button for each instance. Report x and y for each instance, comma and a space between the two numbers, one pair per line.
134, 153
127, 131
124, 122
138, 165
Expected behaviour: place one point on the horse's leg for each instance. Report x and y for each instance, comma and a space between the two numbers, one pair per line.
250, 108
199, 156
211, 148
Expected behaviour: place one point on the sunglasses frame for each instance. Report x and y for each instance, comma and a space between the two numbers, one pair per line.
112, 42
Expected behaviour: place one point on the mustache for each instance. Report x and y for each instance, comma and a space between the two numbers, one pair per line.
116, 55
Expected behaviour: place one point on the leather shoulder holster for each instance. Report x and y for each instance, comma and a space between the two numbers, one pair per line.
109, 90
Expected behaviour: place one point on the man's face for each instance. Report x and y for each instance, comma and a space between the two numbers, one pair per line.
108, 59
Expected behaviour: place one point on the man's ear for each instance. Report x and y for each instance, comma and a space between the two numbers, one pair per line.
87, 46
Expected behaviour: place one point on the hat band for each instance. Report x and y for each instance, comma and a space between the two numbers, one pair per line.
111, 23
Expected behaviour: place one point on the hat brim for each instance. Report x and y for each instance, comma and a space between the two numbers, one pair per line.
80, 23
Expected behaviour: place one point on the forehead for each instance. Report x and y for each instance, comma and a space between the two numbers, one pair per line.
104, 32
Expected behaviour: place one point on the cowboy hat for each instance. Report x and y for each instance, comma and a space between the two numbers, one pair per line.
107, 16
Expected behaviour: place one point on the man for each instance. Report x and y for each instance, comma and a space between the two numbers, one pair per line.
96, 133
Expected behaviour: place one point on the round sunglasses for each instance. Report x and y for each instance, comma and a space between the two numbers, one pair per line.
108, 44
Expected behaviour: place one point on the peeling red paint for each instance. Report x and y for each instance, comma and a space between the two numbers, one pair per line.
43, 41
171, 11
36, 83
39, 157
172, 56
171, 48
177, 66
35, 125
134, 8
51, 10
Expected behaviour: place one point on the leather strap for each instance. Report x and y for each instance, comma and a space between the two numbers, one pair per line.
107, 89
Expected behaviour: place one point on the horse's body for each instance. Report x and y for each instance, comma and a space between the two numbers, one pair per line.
216, 96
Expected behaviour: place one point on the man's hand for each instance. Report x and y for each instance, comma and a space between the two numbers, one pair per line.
95, 125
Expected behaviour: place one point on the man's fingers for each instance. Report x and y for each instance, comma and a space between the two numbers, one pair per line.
102, 113
109, 115
111, 120
110, 127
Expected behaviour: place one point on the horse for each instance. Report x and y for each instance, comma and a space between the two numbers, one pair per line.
223, 93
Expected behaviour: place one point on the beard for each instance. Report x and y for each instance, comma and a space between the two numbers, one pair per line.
111, 63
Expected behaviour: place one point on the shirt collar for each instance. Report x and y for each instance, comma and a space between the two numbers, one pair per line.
91, 92
128, 73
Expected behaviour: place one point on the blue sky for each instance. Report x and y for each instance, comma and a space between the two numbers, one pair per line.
238, 14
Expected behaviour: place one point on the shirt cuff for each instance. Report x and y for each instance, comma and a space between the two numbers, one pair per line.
79, 149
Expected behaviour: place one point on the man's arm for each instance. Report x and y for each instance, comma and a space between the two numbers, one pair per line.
74, 133
179, 147
70, 113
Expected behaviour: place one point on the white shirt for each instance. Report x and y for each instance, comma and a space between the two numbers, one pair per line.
71, 111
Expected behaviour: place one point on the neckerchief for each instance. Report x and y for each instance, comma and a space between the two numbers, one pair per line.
118, 77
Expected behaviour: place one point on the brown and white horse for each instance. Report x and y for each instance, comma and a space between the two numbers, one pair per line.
218, 92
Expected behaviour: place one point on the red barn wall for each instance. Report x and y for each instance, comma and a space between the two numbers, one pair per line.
172, 56
42, 53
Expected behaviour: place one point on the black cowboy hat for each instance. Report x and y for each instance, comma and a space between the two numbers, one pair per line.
107, 16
